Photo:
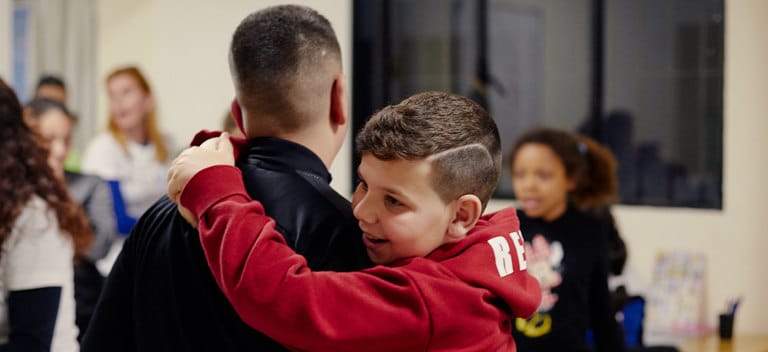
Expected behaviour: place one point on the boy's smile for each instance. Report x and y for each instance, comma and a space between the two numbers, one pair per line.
399, 212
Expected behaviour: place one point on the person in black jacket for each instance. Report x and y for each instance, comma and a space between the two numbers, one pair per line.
160, 296
559, 179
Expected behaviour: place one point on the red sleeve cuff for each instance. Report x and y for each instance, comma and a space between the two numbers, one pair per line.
210, 186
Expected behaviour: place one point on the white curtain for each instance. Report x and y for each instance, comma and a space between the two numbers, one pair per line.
64, 44
6, 37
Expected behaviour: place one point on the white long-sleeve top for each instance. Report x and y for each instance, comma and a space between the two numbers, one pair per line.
38, 254
142, 178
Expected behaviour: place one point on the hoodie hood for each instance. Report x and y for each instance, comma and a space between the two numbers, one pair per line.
496, 235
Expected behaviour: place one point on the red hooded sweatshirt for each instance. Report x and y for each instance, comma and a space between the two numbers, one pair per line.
461, 297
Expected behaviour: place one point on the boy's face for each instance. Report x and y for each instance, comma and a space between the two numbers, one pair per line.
399, 212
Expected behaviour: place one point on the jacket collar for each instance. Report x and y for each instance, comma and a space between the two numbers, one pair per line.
276, 153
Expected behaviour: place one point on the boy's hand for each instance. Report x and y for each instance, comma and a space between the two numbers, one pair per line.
215, 151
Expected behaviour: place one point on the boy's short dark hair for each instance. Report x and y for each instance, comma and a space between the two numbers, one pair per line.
274, 51
50, 80
454, 133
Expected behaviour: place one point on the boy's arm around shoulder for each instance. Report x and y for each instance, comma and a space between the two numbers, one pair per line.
273, 291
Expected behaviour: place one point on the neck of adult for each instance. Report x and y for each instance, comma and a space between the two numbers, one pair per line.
324, 142
325, 135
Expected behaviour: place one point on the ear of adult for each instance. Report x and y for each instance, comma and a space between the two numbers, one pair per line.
237, 115
339, 114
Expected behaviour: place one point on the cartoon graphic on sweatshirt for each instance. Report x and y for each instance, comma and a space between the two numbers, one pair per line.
544, 263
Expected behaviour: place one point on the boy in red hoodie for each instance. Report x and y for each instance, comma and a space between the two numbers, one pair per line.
449, 279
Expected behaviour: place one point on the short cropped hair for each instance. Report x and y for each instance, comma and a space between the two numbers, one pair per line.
455, 134
272, 51
51, 80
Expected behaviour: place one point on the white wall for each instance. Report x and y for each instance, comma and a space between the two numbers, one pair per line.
182, 45
733, 238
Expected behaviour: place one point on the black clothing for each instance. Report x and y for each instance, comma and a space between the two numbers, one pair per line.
161, 296
32, 317
293, 185
578, 244
88, 284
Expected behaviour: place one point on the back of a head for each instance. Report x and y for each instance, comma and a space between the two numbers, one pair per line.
281, 59
15, 144
24, 172
10, 108
454, 133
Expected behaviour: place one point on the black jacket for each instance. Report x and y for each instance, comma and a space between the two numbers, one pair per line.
160, 295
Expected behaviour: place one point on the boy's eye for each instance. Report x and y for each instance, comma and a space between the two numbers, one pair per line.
392, 201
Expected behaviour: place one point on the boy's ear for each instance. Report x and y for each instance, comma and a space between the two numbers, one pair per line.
467, 212
339, 101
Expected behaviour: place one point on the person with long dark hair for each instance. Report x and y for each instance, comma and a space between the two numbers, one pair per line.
41, 229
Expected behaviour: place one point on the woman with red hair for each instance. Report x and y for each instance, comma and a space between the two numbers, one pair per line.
133, 155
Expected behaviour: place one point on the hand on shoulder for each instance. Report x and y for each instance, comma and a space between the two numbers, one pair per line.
214, 151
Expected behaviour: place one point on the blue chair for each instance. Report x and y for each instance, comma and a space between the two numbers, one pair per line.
634, 314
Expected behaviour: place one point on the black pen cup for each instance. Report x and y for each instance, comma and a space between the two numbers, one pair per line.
725, 326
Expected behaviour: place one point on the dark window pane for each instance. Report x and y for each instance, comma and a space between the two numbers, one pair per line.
644, 77
663, 98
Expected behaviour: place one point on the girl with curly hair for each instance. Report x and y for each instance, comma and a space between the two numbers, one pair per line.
41, 229
563, 183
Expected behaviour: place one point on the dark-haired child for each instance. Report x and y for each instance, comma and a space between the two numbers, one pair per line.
559, 179
448, 278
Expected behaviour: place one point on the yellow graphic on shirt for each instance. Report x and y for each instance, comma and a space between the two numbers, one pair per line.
537, 325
